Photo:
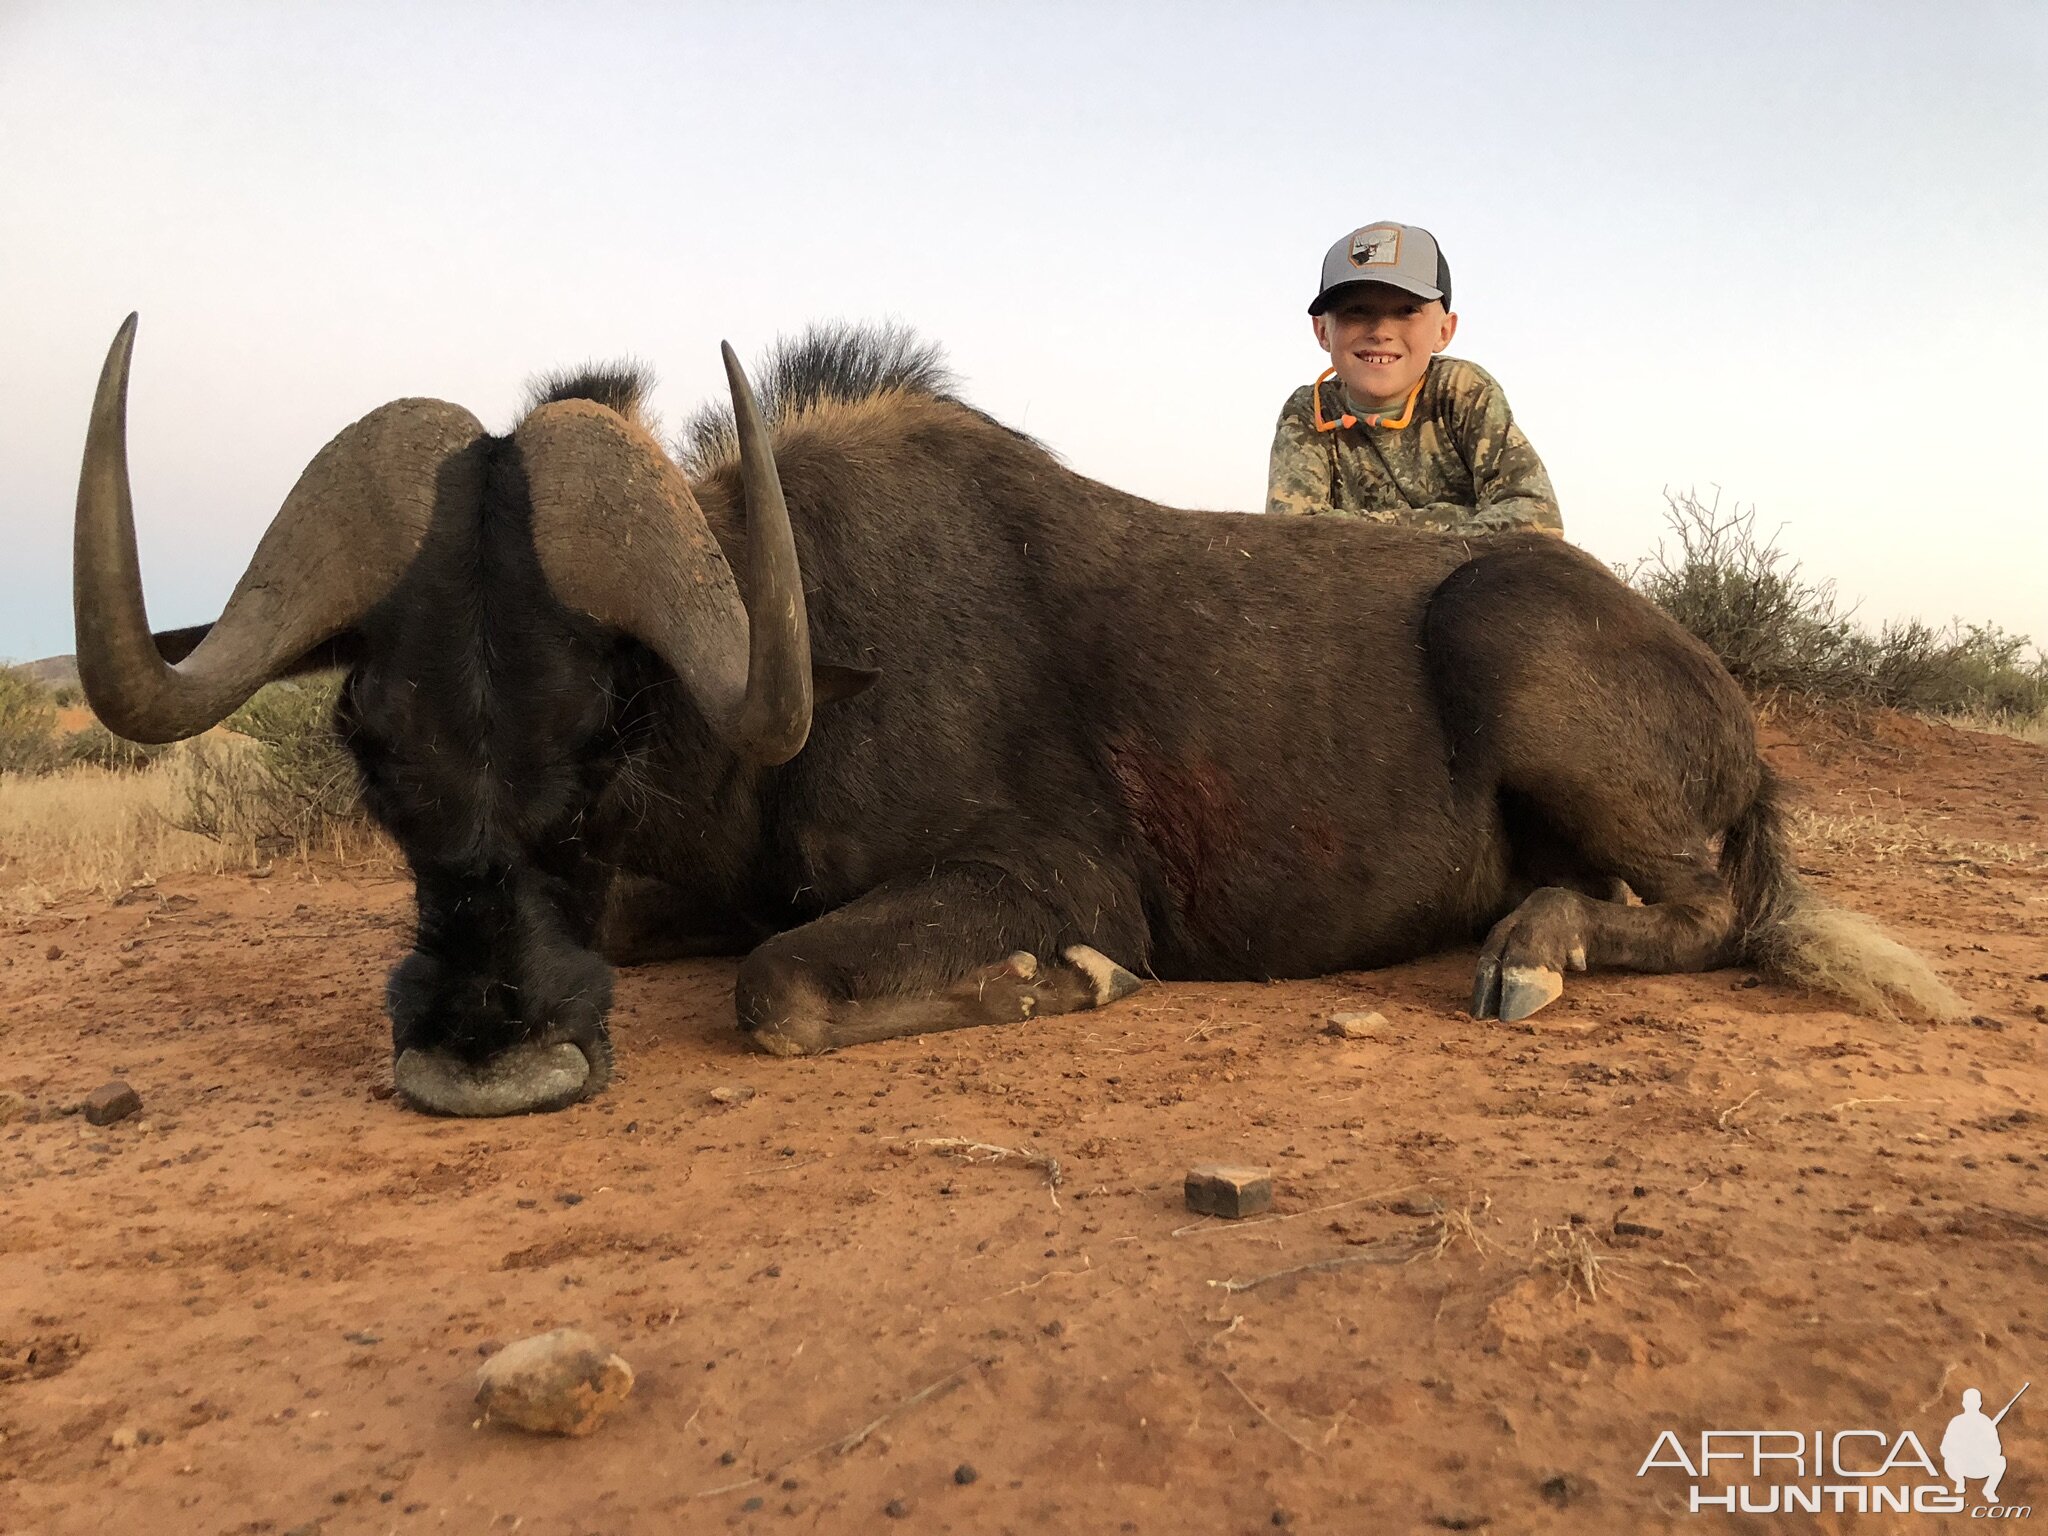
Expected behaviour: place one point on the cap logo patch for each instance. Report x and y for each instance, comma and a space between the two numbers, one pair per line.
1376, 247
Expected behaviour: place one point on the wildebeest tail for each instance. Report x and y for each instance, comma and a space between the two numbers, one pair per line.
1789, 933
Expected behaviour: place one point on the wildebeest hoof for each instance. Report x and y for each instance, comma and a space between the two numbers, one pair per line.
527, 1079
1526, 988
1486, 989
804, 1032
1110, 980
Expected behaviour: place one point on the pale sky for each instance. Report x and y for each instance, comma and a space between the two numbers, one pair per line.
1793, 250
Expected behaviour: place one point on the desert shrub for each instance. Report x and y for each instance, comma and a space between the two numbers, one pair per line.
98, 747
68, 697
28, 724
1962, 669
1777, 632
282, 780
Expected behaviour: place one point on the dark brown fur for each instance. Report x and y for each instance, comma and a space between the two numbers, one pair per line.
1202, 745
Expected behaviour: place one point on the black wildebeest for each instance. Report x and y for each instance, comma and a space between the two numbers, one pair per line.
1062, 735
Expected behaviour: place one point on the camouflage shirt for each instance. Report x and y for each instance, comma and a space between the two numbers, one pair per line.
1461, 464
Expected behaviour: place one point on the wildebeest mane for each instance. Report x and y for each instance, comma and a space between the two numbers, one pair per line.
624, 386
835, 362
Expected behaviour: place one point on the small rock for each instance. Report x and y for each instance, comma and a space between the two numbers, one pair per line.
1563, 1025
110, 1102
1624, 1228
569, 1197
753, 1503
363, 1338
731, 1093
896, 1509
382, 1091
1417, 1205
1220, 1189
559, 1383
1356, 1026
126, 1438
54, 952
965, 1474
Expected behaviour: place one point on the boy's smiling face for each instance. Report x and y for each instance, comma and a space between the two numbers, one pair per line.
1380, 340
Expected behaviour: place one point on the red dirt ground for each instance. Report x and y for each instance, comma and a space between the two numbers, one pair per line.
281, 1284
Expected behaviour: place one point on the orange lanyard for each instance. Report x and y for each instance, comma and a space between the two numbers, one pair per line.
1377, 419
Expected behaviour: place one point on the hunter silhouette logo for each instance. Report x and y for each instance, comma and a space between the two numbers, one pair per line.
1845, 1471
1971, 1449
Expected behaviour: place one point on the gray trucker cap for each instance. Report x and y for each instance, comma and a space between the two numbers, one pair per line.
1400, 255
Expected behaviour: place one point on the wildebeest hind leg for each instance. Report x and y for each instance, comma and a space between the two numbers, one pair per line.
1576, 704
969, 944
1687, 923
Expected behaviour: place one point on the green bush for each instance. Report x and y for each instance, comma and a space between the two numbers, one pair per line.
287, 784
1776, 632
98, 747
28, 724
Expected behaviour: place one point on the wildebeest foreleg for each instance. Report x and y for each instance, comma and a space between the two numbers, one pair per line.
968, 944
647, 919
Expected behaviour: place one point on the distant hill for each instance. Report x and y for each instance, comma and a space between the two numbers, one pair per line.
51, 671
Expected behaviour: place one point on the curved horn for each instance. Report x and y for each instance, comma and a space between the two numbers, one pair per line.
621, 538
337, 546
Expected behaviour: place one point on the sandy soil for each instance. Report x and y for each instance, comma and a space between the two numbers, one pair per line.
274, 1286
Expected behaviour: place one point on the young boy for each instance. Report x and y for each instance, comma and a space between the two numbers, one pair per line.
1389, 431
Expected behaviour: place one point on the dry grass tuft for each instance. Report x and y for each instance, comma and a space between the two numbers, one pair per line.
94, 829
2033, 730
1904, 836
1454, 1227
1567, 1251
97, 830
89, 812
986, 1152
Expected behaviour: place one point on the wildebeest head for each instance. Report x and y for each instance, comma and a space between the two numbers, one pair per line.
478, 588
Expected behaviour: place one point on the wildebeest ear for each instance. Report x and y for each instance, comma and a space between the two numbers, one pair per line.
830, 684
342, 650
